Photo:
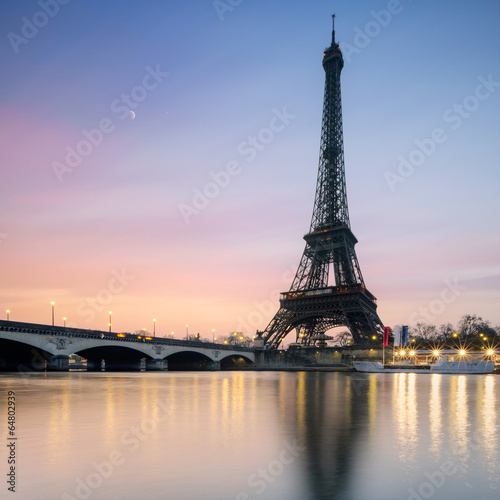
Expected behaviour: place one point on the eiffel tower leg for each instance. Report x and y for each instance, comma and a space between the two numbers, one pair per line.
278, 328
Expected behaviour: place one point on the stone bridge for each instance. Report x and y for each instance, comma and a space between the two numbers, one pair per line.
26, 347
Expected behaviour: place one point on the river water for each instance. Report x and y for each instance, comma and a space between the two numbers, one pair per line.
252, 435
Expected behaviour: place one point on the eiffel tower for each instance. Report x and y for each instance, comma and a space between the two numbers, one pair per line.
311, 306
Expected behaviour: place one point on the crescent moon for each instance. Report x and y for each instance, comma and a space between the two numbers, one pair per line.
132, 115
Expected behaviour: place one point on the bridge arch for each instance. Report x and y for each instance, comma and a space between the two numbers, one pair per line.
21, 356
235, 361
116, 358
190, 360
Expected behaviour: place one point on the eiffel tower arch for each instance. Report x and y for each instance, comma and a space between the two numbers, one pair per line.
314, 304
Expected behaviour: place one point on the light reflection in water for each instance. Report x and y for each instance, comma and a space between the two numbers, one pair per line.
459, 418
489, 426
348, 400
110, 411
373, 400
436, 416
406, 416
301, 403
58, 428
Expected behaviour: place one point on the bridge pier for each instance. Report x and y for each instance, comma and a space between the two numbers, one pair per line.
216, 366
156, 365
58, 363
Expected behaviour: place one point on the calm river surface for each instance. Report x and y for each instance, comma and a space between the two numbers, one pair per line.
252, 435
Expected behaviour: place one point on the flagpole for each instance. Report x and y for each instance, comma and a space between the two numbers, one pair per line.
385, 342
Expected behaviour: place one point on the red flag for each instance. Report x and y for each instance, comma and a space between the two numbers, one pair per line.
387, 330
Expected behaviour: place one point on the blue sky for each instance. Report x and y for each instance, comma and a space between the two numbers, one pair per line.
120, 208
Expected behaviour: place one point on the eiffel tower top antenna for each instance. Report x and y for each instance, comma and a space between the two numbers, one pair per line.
333, 30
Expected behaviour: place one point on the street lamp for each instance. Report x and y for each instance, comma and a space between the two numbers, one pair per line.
187, 331
172, 333
8, 314
64, 319
52, 304
110, 313
213, 335
154, 327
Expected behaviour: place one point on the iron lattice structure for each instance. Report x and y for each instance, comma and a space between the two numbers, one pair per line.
312, 306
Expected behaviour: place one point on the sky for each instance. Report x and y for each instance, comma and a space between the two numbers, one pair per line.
191, 210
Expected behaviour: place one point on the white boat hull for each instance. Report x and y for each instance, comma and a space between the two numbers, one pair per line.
441, 366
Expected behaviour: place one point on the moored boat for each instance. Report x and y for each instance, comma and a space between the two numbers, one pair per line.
432, 362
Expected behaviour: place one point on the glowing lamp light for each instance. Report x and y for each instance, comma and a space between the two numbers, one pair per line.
461, 352
436, 353
402, 353
490, 352
455, 334
412, 353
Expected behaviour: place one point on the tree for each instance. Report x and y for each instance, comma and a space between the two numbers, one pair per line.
343, 339
236, 339
424, 331
469, 326
445, 331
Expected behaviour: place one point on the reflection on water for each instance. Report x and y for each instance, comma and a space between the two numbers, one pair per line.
255, 435
488, 418
435, 416
459, 419
404, 401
